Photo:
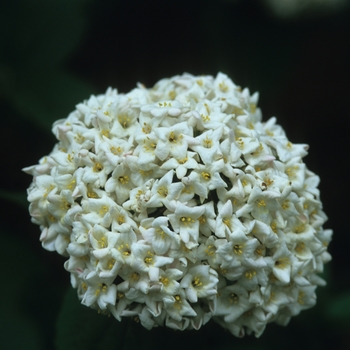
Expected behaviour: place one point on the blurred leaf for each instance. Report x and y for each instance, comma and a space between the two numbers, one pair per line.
40, 34
19, 329
18, 198
339, 308
79, 327
46, 98
36, 38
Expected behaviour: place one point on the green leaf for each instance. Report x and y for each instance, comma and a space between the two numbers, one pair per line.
19, 328
79, 327
40, 34
17, 198
37, 37
45, 98
339, 308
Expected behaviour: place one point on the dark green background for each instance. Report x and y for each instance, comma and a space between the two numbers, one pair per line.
54, 54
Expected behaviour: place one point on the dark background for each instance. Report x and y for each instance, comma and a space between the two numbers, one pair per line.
54, 54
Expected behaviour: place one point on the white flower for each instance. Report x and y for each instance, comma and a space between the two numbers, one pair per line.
238, 248
145, 260
232, 302
120, 183
185, 221
159, 235
177, 306
178, 205
200, 282
181, 165
164, 190
98, 291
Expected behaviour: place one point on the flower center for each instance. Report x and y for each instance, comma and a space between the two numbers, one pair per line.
124, 121
233, 298
238, 249
187, 220
206, 176
196, 282
250, 274
124, 180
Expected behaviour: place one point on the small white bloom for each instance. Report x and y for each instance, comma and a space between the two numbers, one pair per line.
181, 165
159, 235
200, 282
99, 291
232, 302
185, 221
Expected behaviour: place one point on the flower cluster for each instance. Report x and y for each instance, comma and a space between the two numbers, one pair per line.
177, 204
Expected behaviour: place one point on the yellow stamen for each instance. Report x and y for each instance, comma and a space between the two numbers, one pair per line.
261, 203
116, 150
135, 276
282, 263
79, 138
196, 282
227, 222
124, 180
238, 249
299, 229
145, 172
110, 264
121, 219
210, 250
301, 296
233, 298
71, 184
207, 142
164, 281
250, 274
160, 232
182, 161
223, 87
187, 220
97, 167
206, 176
146, 129
300, 247
202, 220
65, 205
124, 121
105, 133
285, 204
163, 192
103, 210
92, 194
102, 242
149, 258
205, 118
178, 301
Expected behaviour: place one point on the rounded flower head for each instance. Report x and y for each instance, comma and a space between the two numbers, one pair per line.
178, 204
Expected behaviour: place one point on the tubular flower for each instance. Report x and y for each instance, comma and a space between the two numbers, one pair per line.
178, 204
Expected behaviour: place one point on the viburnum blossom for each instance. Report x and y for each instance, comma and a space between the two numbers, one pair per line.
178, 204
